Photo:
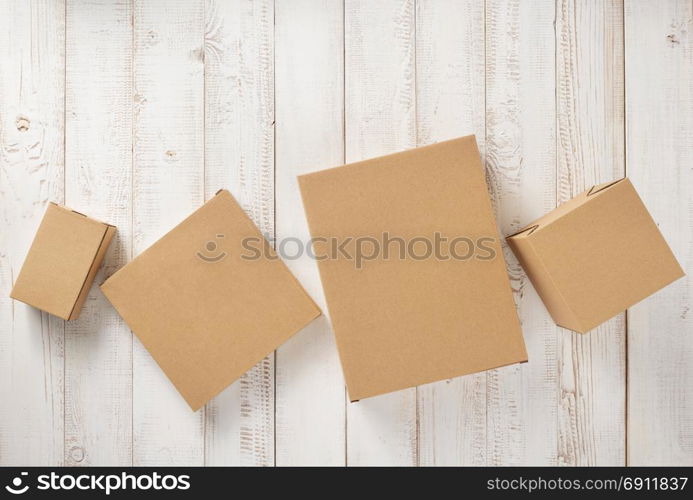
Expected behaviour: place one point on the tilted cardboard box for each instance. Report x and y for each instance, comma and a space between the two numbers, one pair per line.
595, 255
404, 319
206, 308
62, 262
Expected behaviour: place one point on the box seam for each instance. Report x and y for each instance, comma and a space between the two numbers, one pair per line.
529, 229
86, 275
592, 190
70, 210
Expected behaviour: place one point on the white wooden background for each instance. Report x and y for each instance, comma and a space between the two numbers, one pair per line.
135, 111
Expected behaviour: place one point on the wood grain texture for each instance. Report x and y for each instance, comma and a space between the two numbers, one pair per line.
32, 86
98, 181
521, 171
167, 185
239, 156
380, 118
309, 48
450, 102
659, 143
590, 122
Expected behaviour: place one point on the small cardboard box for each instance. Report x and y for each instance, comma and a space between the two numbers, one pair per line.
62, 262
210, 299
403, 319
595, 255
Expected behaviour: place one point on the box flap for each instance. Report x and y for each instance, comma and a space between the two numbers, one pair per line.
562, 209
601, 187
80, 213
525, 231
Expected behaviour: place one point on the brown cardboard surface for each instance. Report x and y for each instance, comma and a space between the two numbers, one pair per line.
595, 256
205, 313
63, 259
404, 322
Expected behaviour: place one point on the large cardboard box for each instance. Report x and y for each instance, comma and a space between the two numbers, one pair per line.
595, 255
404, 315
205, 307
66, 254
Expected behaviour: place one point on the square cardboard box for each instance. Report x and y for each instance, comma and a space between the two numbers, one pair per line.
595, 255
210, 299
405, 319
63, 259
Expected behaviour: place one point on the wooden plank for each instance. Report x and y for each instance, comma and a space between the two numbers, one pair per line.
98, 158
32, 91
168, 184
521, 170
590, 122
659, 142
310, 136
239, 155
380, 118
450, 98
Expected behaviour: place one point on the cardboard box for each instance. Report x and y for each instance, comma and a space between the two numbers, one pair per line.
62, 262
402, 319
595, 255
204, 310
